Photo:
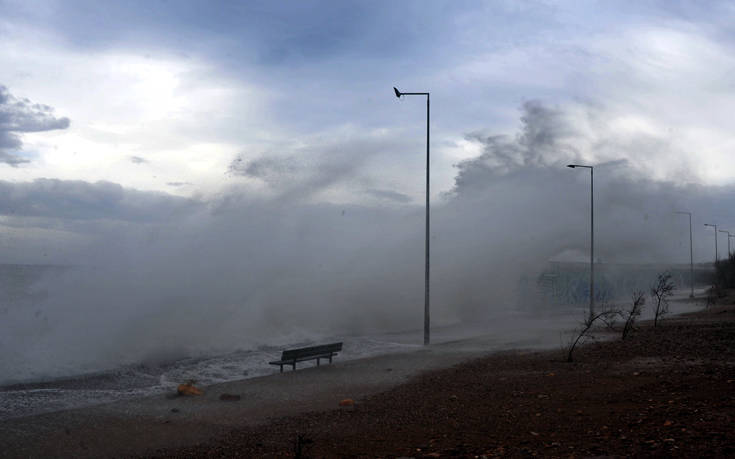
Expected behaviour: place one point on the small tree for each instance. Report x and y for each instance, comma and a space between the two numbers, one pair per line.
711, 297
631, 315
582, 333
661, 290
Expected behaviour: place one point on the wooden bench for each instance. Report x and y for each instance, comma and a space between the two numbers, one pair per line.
291, 356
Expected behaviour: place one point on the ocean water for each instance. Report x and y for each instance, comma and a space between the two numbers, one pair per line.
35, 397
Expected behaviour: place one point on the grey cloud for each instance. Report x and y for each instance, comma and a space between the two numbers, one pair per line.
558, 136
18, 116
311, 169
389, 195
79, 200
12, 160
269, 168
523, 189
543, 140
178, 184
138, 160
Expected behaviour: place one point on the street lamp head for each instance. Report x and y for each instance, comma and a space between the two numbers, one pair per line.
571, 165
398, 93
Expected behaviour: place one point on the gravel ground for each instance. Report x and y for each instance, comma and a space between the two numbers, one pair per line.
666, 392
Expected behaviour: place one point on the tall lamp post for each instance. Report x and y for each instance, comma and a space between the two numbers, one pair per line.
691, 253
715, 227
728, 241
426, 279
592, 235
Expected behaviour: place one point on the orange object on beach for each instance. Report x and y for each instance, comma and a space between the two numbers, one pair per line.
188, 389
347, 402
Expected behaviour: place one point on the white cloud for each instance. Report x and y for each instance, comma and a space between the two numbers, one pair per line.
178, 113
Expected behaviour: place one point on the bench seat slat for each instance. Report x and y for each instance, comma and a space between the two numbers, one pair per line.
302, 359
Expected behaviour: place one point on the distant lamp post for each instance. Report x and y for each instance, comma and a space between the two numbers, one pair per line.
426, 278
728, 241
715, 227
592, 235
691, 253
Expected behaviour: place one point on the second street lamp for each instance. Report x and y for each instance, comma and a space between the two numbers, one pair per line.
592, 235
426, 278
715, 227
691, 253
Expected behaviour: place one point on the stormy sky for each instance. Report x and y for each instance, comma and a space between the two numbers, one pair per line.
136, 111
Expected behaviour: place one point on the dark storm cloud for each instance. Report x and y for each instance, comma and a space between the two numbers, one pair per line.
79, 200
276, 32
18, 116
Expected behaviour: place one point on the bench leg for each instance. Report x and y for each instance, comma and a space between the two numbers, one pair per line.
294, 366
281, 368
317, 361
330, 358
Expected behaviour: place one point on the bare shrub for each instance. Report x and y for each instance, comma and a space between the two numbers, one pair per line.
583, 332
711, 297
661, 291
631, 315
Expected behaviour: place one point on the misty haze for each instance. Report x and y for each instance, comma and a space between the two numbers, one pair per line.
189, 189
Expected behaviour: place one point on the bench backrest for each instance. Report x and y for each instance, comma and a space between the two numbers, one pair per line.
310, 351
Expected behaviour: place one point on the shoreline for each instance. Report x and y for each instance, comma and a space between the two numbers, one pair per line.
143, 426
527, 328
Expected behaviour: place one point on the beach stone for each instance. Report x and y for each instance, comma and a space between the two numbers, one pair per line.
347, 402
188, 389
229, 397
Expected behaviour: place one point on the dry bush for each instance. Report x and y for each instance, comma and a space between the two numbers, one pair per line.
583, 332
631, 315
661, 290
